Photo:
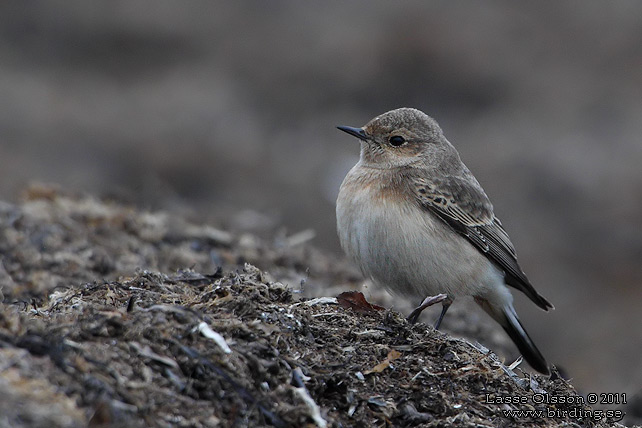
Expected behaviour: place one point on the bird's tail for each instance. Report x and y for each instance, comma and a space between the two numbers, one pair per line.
507, 318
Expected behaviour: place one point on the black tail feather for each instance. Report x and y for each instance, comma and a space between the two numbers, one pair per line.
524, 343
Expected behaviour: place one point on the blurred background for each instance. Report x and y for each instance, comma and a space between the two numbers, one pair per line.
225, 112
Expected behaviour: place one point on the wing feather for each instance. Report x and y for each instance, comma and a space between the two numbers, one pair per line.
463, 205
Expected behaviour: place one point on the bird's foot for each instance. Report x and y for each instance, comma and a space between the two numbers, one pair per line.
428, 301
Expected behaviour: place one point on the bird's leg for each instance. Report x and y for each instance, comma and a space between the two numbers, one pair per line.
445, 304
429, 301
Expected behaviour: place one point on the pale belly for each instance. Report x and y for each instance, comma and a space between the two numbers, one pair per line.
410, 252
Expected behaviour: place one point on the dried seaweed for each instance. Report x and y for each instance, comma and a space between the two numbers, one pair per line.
105, 321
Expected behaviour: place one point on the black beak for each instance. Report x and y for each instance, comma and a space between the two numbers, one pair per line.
357, 132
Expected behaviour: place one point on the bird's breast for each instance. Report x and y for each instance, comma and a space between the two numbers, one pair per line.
402, 246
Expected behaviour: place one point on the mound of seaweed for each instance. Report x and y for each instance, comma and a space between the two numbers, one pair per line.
117, 317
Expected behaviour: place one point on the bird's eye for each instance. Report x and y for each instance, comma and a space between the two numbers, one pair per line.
397, 140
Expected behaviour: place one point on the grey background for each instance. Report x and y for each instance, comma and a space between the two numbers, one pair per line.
226, 112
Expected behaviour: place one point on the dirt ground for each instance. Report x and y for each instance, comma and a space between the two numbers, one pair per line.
115, 317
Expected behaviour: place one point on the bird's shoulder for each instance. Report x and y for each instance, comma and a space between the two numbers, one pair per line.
458, 197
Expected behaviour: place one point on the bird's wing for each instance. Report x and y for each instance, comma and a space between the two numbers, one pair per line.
464, 206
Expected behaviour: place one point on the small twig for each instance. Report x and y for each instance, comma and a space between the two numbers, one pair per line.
206, 331
131, 303
301, 390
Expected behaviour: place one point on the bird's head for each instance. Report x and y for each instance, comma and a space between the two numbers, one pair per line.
400, 138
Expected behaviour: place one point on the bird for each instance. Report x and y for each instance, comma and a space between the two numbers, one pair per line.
417, 222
